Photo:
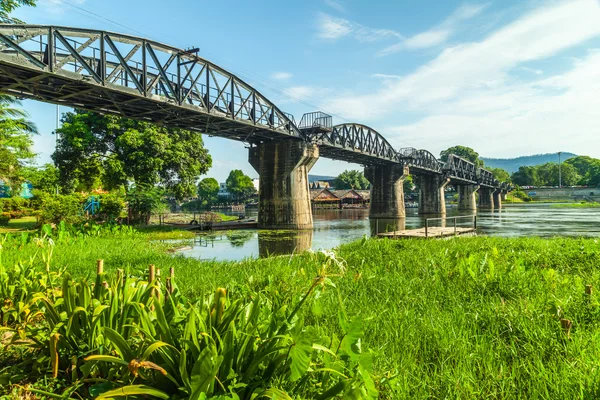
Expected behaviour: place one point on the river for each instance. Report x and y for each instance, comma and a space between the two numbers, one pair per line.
335, 227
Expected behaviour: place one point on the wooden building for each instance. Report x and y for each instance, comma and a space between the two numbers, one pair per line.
327, 198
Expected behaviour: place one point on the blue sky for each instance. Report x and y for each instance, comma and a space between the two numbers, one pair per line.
506, 78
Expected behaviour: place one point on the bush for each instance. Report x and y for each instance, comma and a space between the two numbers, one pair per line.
519, 194
54, 208
16, 207
111, 207
4, 218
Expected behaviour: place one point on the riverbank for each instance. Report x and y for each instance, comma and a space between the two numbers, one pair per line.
468, 318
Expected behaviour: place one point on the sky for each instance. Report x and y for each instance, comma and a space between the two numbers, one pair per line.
507, 78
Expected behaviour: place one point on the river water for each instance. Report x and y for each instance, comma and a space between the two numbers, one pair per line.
335, 227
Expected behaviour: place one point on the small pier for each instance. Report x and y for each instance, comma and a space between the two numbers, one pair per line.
436, 231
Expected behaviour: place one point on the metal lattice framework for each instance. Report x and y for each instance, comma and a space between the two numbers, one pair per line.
143, 79
136, 78
486, 178
355, 143
459, 169
421, 161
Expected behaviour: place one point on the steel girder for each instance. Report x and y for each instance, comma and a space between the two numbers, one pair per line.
355, 143
460, 170
136, 78
421, 161
486, 178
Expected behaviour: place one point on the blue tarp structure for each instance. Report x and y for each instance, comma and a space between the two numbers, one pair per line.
25, 193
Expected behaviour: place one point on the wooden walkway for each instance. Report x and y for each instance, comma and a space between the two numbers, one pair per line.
432, 232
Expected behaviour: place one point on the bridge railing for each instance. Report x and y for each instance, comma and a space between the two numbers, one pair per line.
316, 119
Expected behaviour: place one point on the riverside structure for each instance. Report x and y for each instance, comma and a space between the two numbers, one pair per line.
143, 79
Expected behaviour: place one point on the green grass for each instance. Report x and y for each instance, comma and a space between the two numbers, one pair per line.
19, 224
461, 318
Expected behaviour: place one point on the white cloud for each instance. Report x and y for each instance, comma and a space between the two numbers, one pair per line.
336, 5
332, 28
482, 65
469, 96
532, 70
439, 34
281, 76
299, 93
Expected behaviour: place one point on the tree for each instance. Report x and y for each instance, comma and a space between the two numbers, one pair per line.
239, 185
8, 6
526, 176
95, 149
464, 152
42, 178
546, 175
351, 179
549, 174
208, 189
588, 168
16, 140
408, 184
500, 174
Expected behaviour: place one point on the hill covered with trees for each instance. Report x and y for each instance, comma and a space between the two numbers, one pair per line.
512, 164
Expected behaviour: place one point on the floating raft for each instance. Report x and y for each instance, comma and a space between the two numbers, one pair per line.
432, 232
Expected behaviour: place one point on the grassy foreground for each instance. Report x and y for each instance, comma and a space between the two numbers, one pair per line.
462, 318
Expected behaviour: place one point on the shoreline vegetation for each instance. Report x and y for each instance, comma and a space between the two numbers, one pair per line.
462, 318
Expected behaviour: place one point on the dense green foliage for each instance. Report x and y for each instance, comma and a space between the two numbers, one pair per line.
208, 188
547, 175
45, 178
240, 186
16, 140
512, 164
102, 150
500, 174
143, 201
8, 6
351, 179
588, 169
464, 152
462, 318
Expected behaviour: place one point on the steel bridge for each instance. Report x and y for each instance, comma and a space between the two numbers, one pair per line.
143, 79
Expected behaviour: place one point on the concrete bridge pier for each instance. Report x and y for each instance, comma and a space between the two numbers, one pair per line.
486, 201
387, 191
283, 195
503, 195
432, 194
497, 198
466, 197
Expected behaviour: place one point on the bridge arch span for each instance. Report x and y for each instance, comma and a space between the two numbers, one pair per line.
422, 161
354, 142
136, 78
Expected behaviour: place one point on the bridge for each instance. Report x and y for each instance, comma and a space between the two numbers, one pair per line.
143, 79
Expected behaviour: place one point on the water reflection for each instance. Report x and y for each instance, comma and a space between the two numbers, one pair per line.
335, 227
382, 225
272, 243
240, 237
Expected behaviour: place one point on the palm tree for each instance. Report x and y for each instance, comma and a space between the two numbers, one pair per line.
16, 140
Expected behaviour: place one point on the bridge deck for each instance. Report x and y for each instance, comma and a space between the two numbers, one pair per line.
432, 232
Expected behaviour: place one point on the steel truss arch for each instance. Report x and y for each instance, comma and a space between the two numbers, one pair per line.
355, 143
422, 161
136, 78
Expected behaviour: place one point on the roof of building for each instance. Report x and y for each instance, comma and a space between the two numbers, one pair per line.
329, 194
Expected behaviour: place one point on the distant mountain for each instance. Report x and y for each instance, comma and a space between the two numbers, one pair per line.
312, 178
512, 164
